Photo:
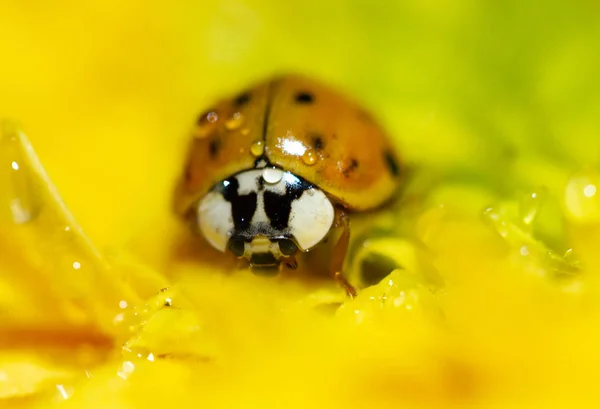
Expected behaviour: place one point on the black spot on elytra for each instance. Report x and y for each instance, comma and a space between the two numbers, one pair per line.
213, 148
304, 97
278, 207
242, 207
391, 163
350, 168
317, 141
242, 99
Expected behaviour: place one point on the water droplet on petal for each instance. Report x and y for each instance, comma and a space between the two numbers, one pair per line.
257, 148
234, 122
530, 206
126, 369
309, 158
497, 220
64, 392
19, 193
581, 200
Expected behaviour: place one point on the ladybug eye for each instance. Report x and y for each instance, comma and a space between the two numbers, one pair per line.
304, 97
236, 246
287, 247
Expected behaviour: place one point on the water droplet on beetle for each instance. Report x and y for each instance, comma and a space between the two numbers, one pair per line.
309, 158
272, 175
234, 122
212, 117
257, 148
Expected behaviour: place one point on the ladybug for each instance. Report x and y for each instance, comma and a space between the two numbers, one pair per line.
276, 169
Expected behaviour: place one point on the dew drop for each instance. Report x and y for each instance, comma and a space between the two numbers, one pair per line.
126, 369
257, 148
495, 218
234, 122
309, 158
530, 206
589, 190
206, 125
272, 175
245, 131
20, 196
212, 117
581, 198
64, 392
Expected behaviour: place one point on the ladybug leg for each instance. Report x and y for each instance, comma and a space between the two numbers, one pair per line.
339, 252
291, 263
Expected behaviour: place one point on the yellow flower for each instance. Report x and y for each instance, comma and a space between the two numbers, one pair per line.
106, 300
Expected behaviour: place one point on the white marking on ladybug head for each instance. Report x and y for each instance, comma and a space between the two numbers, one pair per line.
215, 220
311, 218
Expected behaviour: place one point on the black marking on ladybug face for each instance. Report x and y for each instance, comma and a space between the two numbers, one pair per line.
350, 168
242, 99
391, 163
317, 141
261, 162
260, 182
278, 207
242, 206
213, 147
242, 209
304, 97
265, 211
